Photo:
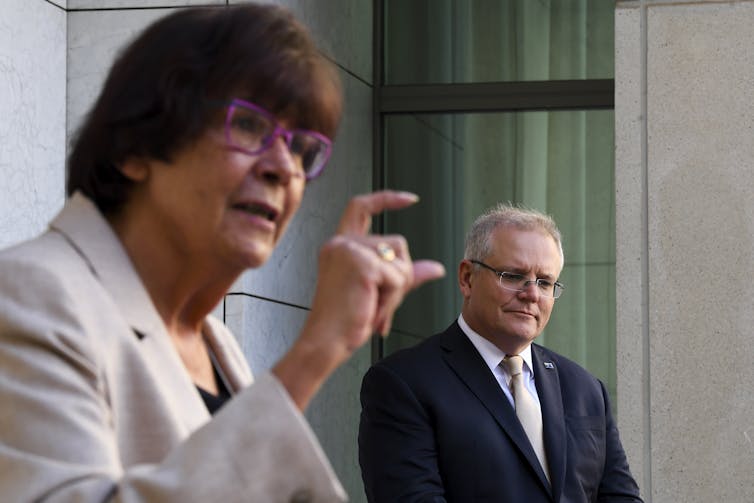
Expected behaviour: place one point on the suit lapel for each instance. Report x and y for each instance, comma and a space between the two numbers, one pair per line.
465, 361
547, 382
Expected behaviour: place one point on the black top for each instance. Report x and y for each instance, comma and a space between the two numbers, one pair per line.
214, 402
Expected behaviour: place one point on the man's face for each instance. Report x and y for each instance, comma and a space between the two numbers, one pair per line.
510, 320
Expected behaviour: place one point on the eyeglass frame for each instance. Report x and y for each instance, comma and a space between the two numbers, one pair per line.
278, 131
557, 286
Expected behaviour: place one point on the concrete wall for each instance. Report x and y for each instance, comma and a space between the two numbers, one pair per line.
684, 216
685, 230
53, 59
32, 116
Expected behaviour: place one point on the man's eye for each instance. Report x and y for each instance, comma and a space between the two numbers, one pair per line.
512, 277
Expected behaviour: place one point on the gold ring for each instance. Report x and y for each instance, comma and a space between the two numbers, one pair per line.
386, 252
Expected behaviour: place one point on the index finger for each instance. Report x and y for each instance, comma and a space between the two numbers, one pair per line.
357, 217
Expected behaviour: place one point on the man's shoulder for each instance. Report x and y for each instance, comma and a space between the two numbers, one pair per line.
425, 352
422, 367
420, 350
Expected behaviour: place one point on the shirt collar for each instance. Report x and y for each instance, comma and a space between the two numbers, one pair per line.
491, 354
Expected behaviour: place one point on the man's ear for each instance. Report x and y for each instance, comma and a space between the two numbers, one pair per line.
465, 270
135, 169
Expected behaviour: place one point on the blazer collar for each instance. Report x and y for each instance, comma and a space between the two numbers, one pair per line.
228, 354
461, 355
84, 227
87, 231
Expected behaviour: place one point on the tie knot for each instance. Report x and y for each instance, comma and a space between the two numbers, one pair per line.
513, 364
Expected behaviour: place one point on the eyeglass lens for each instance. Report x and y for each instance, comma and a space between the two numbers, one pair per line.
253, 132
517, 283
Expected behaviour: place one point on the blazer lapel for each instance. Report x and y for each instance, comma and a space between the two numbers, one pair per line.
547, 381
228, 354
94, 240
464, 359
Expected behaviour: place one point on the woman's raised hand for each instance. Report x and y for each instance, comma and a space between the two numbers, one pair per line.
385, 272
362, 280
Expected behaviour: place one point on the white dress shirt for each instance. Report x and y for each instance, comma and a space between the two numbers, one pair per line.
492, 356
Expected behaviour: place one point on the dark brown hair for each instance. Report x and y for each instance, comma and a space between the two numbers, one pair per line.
164, 88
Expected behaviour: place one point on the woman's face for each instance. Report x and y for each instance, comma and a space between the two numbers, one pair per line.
221, 206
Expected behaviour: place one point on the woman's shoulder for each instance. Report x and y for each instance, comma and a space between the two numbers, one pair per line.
45, 264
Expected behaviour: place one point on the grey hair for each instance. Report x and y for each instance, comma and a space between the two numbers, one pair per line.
478, 239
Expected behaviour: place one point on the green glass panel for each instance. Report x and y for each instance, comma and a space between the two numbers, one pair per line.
465, 41
558, 162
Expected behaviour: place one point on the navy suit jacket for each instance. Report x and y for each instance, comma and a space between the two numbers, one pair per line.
436, 427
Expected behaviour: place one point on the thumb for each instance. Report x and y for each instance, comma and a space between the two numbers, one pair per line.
427, 270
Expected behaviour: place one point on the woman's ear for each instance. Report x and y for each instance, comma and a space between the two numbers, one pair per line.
135, 169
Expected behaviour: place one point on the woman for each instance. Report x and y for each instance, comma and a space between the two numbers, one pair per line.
185, 173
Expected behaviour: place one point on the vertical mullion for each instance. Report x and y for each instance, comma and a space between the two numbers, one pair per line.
378, 123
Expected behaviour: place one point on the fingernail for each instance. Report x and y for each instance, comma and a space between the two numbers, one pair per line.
409, 195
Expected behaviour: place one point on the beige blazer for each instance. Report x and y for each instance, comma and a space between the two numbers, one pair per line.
95, 404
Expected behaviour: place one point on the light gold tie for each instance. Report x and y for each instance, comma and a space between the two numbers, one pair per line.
527, 409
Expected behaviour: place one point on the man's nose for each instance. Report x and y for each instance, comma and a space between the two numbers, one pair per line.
530, 290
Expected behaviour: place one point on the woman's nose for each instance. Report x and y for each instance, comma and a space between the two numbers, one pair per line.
276, 163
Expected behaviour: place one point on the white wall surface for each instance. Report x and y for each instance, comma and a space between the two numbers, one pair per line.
137, 4
684, 150
32, 116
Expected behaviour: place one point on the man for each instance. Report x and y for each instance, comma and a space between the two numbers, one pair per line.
453, 419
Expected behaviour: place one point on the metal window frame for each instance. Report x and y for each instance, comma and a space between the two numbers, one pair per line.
496, 96
588, 94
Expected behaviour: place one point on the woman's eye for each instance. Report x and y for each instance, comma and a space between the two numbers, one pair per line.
250, 125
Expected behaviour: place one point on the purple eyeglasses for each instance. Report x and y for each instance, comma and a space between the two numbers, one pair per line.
251, 129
